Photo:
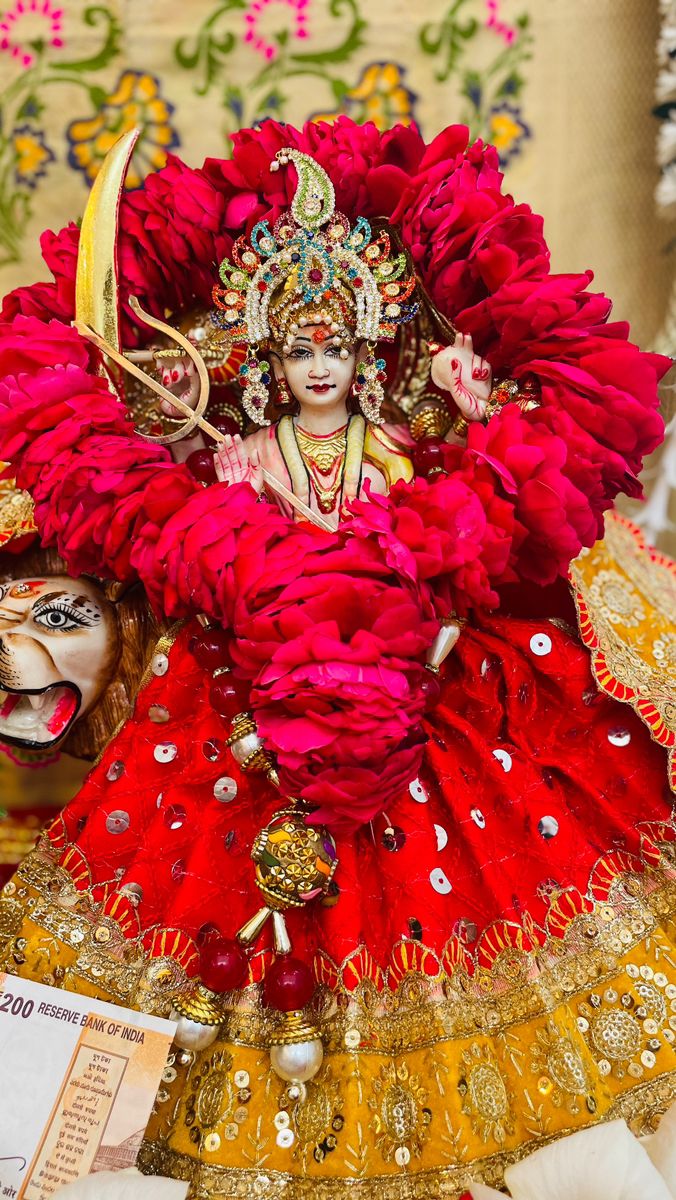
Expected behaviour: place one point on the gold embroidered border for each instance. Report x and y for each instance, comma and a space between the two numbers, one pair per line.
625, 596
423, 1086
641, 1108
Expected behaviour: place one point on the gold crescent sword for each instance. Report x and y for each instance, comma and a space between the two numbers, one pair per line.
97, 309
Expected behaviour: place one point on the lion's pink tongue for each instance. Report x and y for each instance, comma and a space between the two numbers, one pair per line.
62, 713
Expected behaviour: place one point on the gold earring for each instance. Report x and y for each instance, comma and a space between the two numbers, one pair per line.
284, 394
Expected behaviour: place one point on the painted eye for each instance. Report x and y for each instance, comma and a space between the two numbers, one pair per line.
61, 620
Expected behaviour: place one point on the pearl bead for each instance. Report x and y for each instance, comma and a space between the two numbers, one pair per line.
443, 643
244, 746
299, 1061
192, 1035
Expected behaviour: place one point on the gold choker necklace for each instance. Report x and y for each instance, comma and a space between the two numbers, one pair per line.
324, 456
302, 451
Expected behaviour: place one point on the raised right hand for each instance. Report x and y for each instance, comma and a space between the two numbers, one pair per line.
179, 375
234, 463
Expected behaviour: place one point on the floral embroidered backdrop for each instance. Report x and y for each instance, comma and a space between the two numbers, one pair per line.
565, 90
75, 76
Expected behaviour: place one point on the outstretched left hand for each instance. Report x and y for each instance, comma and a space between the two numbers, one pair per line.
458, 370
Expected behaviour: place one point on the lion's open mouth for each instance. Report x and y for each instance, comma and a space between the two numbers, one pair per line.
37, 717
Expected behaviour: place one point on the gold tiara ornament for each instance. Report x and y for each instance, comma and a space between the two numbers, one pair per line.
312, 267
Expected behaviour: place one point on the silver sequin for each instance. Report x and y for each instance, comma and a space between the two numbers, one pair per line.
225, 789
165, 753
440, 881
117, 821
619, 736
417, 792
504, 759
442, 837
175, 816
541, 644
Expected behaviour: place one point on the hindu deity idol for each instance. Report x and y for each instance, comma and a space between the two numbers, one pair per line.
318, 297
389, 837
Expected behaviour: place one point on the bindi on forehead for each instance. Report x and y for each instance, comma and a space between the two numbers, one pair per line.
26, 588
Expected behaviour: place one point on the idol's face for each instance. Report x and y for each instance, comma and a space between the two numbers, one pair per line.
58, 646
314, 370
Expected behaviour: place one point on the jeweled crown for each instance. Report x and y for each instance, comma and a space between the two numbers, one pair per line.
312, 267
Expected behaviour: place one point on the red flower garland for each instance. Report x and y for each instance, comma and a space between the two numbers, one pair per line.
331, 629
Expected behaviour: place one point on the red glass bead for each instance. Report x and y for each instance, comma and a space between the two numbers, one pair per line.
428, 456
431, 689
357, 282
315, 275
201, 465
415, 737
225, 425
289, 984
223, 695
223, 965
262, 287
212, 649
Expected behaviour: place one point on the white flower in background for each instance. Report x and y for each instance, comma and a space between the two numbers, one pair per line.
123, 1185
604, 1162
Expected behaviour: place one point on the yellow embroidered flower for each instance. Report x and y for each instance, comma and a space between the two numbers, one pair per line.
616, 600
32, 155
507, 130
380, 96
135, 103
664, 649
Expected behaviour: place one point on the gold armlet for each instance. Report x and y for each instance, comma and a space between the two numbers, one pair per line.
525, 394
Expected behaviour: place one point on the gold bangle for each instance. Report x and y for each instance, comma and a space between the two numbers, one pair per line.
460, 426
168, 352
